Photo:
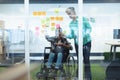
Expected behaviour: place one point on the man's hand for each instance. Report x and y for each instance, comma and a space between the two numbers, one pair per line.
59, 44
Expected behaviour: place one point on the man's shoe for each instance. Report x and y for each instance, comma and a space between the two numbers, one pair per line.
48, 67
56, 67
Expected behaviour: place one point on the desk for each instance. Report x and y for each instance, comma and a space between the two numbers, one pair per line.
113, 45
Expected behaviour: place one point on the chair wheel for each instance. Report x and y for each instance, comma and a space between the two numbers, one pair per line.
39, 74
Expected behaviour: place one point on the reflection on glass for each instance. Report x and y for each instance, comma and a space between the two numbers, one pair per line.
45, 25
12, 36
104, 29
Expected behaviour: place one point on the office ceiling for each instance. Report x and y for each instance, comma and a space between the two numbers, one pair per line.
57, 1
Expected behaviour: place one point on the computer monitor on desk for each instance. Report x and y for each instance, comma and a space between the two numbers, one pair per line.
116, 34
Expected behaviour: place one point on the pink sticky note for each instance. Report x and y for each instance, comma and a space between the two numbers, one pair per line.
57, 25
37, 28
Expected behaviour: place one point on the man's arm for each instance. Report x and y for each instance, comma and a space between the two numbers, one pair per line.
66, 44
50, 39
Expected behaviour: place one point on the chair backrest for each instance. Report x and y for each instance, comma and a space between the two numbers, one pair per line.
113, 70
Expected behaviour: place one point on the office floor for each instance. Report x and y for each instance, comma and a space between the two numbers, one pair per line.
10, 61
98, 71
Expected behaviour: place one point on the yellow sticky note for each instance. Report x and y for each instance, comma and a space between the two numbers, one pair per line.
34, 13
52, 24
39, 13
56, 10
61, 18
52, 18
44, 13
57, 18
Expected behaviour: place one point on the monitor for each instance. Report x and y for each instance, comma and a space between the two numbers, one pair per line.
116, 33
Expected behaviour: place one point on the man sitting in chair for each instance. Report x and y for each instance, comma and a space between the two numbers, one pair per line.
59, 45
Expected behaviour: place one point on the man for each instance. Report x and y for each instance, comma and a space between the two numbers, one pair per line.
59, 45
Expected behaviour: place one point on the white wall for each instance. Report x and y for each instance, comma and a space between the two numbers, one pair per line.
107, 18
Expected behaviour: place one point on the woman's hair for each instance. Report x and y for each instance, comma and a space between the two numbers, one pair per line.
71, 8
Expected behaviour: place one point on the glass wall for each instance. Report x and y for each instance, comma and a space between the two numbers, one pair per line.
43, 21
12, 34
103, 21
28, 31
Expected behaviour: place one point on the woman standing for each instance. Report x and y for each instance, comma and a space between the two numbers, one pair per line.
73, 25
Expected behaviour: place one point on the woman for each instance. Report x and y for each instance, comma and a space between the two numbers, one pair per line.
86, 38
